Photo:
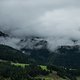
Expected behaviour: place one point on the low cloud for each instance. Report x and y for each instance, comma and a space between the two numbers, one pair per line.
12, 42
57, 21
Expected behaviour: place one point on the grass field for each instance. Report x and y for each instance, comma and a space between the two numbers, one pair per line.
23, 65
50, 77
19, 64
44, 67
78, 78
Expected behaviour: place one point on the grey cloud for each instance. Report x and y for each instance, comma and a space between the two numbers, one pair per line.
57, 20
10, 42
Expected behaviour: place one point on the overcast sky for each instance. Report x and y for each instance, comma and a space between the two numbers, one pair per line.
56, 20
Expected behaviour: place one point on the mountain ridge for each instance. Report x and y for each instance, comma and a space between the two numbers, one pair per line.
36, 51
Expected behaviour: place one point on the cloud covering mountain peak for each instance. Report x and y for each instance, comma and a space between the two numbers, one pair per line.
57, 21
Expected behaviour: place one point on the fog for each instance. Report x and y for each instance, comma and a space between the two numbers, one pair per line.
58, 21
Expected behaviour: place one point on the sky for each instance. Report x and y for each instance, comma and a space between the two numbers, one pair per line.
58, 21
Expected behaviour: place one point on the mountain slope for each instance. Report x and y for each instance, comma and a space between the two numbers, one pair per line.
34, 50
11, 54
67, 56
